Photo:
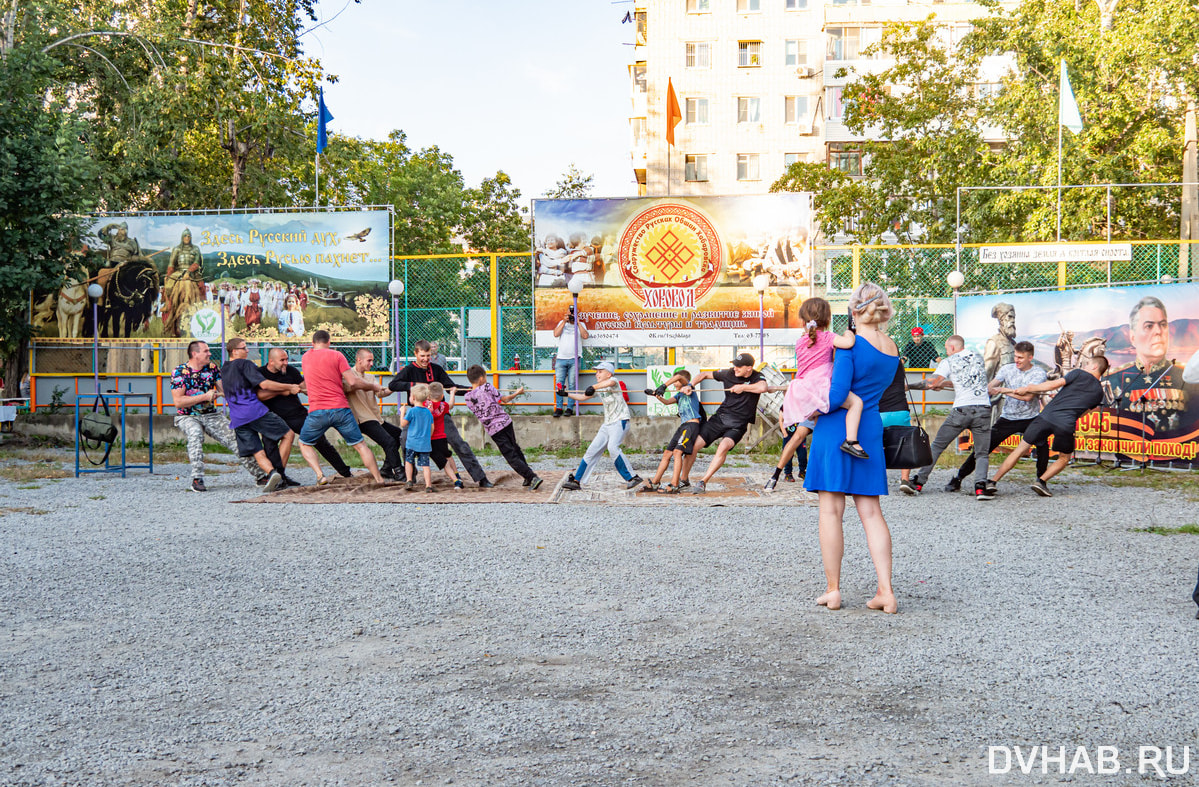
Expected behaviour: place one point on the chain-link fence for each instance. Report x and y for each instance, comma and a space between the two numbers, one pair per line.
479, 307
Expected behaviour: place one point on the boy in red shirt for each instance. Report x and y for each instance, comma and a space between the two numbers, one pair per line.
441, 454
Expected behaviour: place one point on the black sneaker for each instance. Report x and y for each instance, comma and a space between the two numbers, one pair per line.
485, 484
770, 484
684, 483
198, 485
535, 483
557, 412
909, 488
983, 492
409, 486
790, 478
568, 412
261, 481
348, 474
458, 485
954, 485
1041, 488
289, 482
430, 489
634, 482
571, 484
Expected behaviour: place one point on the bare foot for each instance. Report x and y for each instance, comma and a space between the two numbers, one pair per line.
886, 603
831, 599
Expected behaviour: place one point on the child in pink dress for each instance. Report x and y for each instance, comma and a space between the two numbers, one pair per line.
807, 394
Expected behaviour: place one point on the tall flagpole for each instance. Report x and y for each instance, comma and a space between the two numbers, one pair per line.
1059, 170
317, 159
668, 146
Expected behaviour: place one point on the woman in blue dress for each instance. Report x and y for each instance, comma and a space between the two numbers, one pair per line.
866, 369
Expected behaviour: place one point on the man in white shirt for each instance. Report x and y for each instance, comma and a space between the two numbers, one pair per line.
965, 372
564, 362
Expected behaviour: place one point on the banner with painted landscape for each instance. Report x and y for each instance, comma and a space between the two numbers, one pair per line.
1150, 336
674, 271
273, 276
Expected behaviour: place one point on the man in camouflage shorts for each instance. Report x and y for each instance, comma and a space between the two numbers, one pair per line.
195, 386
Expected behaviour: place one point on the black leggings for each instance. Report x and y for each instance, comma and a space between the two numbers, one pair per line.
1002, 430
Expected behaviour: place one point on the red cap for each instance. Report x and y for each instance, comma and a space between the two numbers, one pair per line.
917, 331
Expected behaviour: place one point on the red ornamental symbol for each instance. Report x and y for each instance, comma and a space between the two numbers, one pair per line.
670, 246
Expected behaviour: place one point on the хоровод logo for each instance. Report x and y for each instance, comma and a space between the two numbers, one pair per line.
670, 256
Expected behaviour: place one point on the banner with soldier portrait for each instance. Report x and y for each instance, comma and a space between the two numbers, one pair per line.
673, 271
1150, 336
272, 276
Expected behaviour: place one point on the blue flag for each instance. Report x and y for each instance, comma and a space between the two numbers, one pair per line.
1067, 113
322, 138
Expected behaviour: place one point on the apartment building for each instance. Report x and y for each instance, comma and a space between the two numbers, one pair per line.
756, 83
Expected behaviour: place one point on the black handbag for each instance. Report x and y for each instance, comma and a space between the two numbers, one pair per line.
98, 430
907, 447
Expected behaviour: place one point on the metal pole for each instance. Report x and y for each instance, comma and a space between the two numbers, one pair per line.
1059, 177
316, 200
96, 342
761, 327
395, 332
576, 382
1109, 223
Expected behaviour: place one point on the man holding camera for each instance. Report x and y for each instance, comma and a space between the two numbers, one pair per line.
569, 348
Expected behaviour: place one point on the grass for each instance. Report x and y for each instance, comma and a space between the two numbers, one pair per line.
32, 471
1190, 530
1176, 482
22, 510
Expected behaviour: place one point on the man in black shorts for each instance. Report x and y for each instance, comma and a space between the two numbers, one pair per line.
743, 385
260, 433
291, 409
1080, 392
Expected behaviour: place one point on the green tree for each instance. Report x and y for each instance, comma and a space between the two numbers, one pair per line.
45, 178
492, 217
572, 185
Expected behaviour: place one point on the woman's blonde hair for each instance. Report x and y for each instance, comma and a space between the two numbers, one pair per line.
869, 292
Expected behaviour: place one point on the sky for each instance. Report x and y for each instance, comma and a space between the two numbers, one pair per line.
526, 86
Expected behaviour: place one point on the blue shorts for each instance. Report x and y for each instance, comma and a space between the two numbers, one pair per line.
320, 421
416, 458
897, 418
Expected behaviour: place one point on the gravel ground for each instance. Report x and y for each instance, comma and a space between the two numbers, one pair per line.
153, 636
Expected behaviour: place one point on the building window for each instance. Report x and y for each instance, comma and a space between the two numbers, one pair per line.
791, 158
834, 106
640, 84
695, 167
747, 166
797, 5
795, 109
749, 109
846, 158
795, 53
642, 28
699, 54
640, 128
749, 5
848, 43
697, 112
749, 54
698, 6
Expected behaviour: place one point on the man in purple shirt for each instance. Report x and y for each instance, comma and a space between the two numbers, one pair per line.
253, 424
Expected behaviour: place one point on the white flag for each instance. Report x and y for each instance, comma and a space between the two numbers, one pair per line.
1067, 111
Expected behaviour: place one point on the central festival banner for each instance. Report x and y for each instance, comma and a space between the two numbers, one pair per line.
673, 271
1150, 336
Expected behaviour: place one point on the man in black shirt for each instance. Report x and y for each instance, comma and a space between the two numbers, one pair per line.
423, 370
919, 354
291, 409
743, 385
1080, 392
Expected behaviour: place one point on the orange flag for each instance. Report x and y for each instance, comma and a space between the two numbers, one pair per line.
673, 115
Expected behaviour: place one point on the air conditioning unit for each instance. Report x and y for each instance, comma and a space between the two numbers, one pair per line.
807, 131
803, 72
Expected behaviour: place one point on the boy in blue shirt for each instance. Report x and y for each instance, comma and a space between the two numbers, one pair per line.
683, 442
417, 421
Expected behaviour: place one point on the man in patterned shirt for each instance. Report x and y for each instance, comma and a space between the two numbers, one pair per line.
611, 433
962, 370
195, 385
1019, 410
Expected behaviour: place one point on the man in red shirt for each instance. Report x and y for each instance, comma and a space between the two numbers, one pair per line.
325, 370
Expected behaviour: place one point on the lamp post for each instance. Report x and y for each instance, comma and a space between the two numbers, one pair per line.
396, 288
955, 280
575, 285
761, 282
94, 291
